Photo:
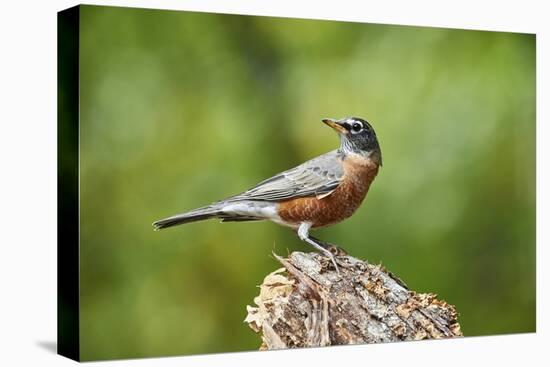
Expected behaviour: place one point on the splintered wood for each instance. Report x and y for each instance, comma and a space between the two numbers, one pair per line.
305, 304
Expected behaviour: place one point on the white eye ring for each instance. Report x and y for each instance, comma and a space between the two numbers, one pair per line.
356, 126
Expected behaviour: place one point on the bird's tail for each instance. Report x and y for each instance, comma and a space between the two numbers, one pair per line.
207, 212
217, 210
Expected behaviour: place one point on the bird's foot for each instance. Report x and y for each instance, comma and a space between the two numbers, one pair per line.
318, 244
333, 259
336, 250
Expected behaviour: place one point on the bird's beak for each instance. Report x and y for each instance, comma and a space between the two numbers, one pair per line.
336, 125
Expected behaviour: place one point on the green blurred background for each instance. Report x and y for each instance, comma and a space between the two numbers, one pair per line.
180, 109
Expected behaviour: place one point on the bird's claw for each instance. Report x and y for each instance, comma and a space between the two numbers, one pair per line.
336, 250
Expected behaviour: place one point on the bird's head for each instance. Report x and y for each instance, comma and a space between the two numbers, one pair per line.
356, 136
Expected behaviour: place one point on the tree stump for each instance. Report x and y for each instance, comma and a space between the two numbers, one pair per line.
308, 304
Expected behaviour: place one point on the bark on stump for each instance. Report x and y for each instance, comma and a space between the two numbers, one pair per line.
307, 304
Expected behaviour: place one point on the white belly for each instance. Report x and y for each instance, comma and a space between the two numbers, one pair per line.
256, 209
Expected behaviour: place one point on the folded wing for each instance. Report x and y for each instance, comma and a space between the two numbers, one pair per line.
317, 177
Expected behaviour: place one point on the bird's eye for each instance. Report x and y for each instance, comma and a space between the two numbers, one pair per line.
356, 127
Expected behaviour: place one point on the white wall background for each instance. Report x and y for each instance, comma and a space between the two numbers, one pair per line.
28, 179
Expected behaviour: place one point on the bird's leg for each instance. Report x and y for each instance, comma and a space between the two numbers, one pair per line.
334, 249
303, 234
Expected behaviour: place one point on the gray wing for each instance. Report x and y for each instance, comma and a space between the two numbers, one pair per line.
317, 177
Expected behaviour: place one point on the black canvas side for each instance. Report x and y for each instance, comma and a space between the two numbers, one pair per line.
67, 183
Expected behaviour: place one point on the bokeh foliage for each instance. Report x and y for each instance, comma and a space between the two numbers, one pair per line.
180, 109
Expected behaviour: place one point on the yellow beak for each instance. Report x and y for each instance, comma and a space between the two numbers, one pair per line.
336, 125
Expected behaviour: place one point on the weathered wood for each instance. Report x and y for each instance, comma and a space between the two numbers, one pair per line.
307, 304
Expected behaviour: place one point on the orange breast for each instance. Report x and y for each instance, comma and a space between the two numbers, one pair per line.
359, 172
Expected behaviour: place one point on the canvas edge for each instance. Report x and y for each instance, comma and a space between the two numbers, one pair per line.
68, 287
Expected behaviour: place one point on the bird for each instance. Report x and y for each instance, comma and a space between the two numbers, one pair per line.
318, 193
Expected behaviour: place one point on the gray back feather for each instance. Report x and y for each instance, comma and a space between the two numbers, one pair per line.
317, 176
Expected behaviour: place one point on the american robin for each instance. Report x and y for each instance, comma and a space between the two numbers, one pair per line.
320, 192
